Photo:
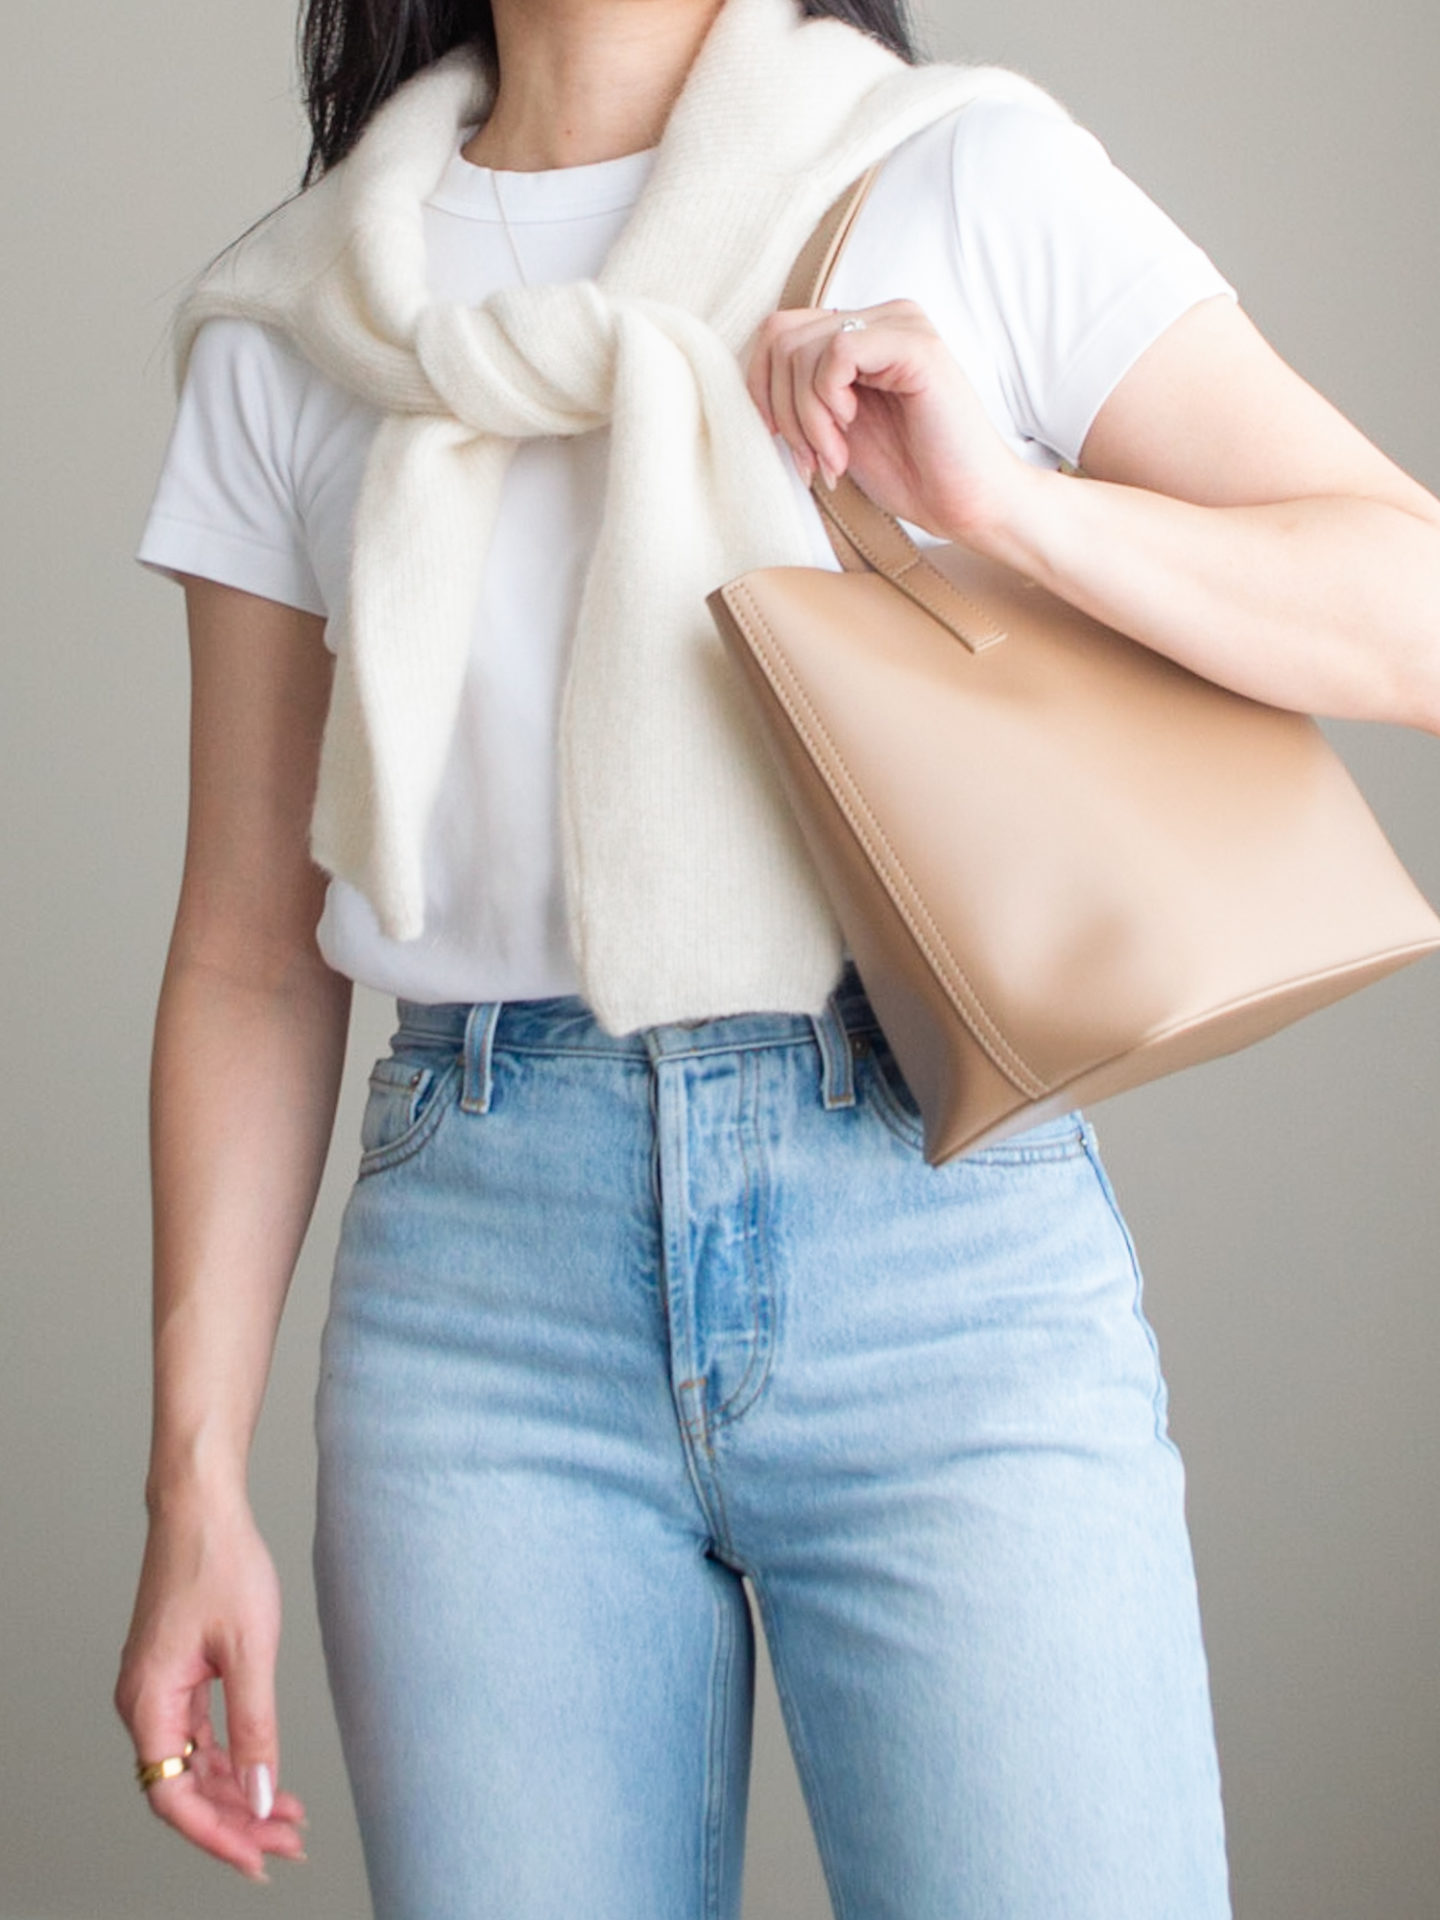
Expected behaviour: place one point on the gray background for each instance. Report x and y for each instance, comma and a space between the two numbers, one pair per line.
1284, 1202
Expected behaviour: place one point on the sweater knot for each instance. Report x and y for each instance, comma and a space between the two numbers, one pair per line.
532, 361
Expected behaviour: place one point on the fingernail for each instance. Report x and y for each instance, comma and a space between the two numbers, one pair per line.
260, 1791
827, 476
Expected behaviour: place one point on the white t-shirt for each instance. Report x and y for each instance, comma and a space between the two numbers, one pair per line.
1044, 269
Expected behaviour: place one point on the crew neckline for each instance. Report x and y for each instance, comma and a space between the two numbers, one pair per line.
552, 193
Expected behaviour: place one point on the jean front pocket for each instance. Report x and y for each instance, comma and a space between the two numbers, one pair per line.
405, 1104
883, 1088
888, 1091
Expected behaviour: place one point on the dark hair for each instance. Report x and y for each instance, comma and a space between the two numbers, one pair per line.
355, 53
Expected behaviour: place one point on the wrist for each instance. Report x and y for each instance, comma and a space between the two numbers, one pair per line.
186, 1480
192, 1503
1016, 523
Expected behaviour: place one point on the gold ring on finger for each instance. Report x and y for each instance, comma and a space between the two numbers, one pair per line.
149, 1773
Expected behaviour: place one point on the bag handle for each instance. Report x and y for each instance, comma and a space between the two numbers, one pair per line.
862, 534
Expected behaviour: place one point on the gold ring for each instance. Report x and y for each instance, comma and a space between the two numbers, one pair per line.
149, 1772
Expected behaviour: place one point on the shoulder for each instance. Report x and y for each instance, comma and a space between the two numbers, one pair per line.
253, 392
245, 413
1037, 223
1007, 186
1041, 263
245, 356
1012, 155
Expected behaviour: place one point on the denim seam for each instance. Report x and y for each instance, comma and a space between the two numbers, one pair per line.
837, 1060
716, 1746
754, 1205
1070, 1146
406, 1145
410, 1074
701, 1466
754, 1045
1159, 1397
477, 1049
696, 1452
695, 1436
714, 1502
800, 1751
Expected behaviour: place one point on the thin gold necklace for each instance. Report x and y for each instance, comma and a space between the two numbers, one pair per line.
509, 235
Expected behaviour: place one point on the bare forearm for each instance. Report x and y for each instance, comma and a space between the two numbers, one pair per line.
244, 1082
1327, 605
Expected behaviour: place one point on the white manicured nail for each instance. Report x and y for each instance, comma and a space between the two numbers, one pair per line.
260, 1791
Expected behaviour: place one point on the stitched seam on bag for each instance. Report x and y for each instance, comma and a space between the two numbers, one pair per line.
1415, 948
931, 591
982, 1026
971, 1007
1411, 950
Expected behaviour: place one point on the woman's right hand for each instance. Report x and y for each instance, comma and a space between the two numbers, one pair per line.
208, 1608
250, 1032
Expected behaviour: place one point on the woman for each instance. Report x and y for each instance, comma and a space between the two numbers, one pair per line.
644, 1285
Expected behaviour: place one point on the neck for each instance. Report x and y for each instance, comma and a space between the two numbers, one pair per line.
586, 80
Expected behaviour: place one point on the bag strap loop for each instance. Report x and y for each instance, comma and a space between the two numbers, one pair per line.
863, 534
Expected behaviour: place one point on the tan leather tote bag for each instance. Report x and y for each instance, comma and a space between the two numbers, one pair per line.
1063, 864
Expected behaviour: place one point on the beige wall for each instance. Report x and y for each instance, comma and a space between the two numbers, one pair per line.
1285, 1202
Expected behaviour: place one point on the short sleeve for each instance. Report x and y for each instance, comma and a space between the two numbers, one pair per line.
1070, 269
225, 505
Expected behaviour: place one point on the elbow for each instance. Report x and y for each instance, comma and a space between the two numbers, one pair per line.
1422, 693
1408, 618
1418, 698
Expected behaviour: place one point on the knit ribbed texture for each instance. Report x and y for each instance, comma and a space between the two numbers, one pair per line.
688, 890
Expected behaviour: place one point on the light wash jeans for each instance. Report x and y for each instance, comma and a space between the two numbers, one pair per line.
616, 1322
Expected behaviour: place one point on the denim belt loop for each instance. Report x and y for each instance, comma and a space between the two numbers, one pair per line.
480, 1024
837, 1079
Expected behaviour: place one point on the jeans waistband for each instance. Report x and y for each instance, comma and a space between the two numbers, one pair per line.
564, 1023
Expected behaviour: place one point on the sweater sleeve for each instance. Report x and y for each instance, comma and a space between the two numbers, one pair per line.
225, 506
1070, 270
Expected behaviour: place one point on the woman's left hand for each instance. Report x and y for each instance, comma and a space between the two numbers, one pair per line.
1232, 519
890, 401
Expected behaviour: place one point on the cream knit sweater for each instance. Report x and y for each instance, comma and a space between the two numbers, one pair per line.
688, 889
